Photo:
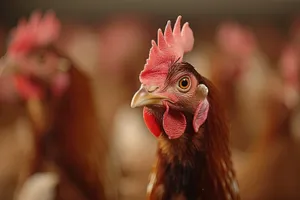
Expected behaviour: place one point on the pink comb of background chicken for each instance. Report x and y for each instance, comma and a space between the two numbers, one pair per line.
170, 48
36, 32
235, 39
289, 66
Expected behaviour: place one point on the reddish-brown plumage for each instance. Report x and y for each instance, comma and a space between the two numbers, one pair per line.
76, 144
67, 136
194, 160
70, 140
272, 170
196, 165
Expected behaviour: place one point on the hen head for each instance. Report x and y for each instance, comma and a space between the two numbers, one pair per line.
37, 71
36, 66
172, 93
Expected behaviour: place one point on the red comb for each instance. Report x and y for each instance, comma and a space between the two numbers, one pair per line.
170, 47
38, 31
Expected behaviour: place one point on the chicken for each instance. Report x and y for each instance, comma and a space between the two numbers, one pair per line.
290, 70
59, 101
15, 146
241, 73
182, 110
272, 172
15, 134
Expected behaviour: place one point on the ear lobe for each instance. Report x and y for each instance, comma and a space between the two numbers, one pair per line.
60, 83
202, 91
201, 114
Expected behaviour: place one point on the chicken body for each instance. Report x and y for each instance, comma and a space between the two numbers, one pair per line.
15, 147
67, 137
182, 110
198, 164
272, 172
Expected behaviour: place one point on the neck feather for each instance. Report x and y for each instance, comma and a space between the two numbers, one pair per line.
197, 165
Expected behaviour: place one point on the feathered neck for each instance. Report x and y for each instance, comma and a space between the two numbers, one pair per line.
197, 165
79, 147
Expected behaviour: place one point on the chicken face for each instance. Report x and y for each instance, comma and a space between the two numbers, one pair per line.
179, 90
172, 92
38, 66
40, 71
169, 104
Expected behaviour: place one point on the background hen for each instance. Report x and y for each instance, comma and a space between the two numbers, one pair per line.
67, 137
242, 72
272, 171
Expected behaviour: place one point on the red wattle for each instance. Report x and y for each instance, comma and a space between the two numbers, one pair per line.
151, 122
174, 123
26, 89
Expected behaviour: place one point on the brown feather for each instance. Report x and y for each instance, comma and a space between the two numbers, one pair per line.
71, 141
197, 165
80, 146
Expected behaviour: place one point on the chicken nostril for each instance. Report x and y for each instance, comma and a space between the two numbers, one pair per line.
152, 88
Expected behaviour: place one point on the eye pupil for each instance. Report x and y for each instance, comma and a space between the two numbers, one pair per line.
184, 83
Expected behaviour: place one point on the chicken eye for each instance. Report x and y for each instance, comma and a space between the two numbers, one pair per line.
184, 84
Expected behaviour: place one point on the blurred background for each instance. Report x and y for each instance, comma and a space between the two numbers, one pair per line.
249, 49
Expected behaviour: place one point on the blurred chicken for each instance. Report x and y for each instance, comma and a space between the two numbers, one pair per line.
15, 131
273, 172
242, 74
105, 53
291, 76
15, 146
60, 105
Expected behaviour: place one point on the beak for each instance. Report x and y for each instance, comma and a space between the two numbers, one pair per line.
143, 98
